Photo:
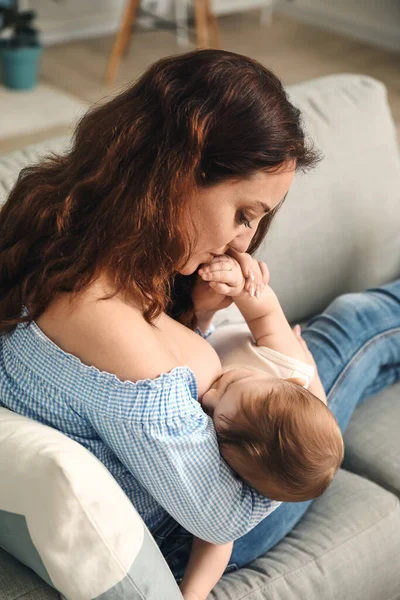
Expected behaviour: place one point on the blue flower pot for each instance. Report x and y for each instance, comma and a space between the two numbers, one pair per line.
20, 66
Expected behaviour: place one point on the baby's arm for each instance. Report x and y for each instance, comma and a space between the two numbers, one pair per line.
264, 315
268, 324
206, 565
269, 327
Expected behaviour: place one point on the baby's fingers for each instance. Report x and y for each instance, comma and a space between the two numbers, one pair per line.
219, 264
219, 272
220, 288
264, 272
297, 329
254, 285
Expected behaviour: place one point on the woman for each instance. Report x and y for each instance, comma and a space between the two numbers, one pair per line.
99, 252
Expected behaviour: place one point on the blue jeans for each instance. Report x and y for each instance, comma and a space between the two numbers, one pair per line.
356, 345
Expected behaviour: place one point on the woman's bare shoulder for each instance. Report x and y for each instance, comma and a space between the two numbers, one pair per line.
110, 336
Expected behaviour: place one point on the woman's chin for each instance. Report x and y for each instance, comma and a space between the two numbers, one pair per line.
194, 263
189, 268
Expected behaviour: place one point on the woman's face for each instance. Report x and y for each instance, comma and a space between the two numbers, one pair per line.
227, 215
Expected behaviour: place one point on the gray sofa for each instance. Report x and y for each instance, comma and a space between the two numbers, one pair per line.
339, 231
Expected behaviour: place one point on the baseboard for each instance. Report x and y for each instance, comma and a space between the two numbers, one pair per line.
376, 34
223, 7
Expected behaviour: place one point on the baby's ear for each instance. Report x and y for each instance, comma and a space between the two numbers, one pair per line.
297, 380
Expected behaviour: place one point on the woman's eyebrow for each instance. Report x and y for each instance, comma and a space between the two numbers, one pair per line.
265, 207
257, 203
262, 205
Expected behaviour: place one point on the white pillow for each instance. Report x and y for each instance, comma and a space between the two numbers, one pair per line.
63, 515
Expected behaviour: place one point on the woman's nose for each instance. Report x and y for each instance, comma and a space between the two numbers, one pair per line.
241, 242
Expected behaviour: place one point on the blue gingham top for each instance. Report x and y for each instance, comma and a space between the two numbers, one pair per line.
152, 435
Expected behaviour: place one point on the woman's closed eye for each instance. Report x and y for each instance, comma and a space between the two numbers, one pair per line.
243, 219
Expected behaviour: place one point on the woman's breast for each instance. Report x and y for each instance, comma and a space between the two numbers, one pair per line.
192, 350
103, 334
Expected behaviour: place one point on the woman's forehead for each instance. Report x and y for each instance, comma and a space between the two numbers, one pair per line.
263, 190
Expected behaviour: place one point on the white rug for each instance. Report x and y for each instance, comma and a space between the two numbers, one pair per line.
43, 107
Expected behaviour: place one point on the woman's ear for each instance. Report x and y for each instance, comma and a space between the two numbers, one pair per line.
297, 380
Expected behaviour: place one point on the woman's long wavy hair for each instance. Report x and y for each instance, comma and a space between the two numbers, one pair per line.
118, 201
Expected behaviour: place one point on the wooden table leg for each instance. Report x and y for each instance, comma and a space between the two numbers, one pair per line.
121, 40
213, 25
201, 23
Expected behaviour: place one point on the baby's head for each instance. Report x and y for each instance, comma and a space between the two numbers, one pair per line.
280, 438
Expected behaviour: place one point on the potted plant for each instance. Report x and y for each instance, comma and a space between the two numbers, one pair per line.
20, 52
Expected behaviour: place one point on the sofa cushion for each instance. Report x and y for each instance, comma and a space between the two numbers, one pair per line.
17, 581
372, 439
348, 540
347, 547
12, 163
338, 229
63, 515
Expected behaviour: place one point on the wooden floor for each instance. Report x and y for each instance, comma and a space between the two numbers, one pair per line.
294, 51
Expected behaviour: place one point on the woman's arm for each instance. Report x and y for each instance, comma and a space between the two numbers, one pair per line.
161, 435
207, 563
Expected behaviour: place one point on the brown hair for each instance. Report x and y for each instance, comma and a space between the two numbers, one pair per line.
117, 201
288, 441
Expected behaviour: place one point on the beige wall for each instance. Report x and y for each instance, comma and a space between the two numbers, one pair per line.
374, 21
68, 19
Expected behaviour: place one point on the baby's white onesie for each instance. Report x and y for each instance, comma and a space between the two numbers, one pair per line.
235, 346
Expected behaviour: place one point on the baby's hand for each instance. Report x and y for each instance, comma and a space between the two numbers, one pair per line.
225, 274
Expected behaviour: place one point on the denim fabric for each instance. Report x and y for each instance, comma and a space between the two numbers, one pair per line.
356, 346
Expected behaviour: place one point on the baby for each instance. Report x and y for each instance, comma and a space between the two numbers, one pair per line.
272, 423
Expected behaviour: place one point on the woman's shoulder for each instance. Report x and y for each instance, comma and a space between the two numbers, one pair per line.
108, 335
